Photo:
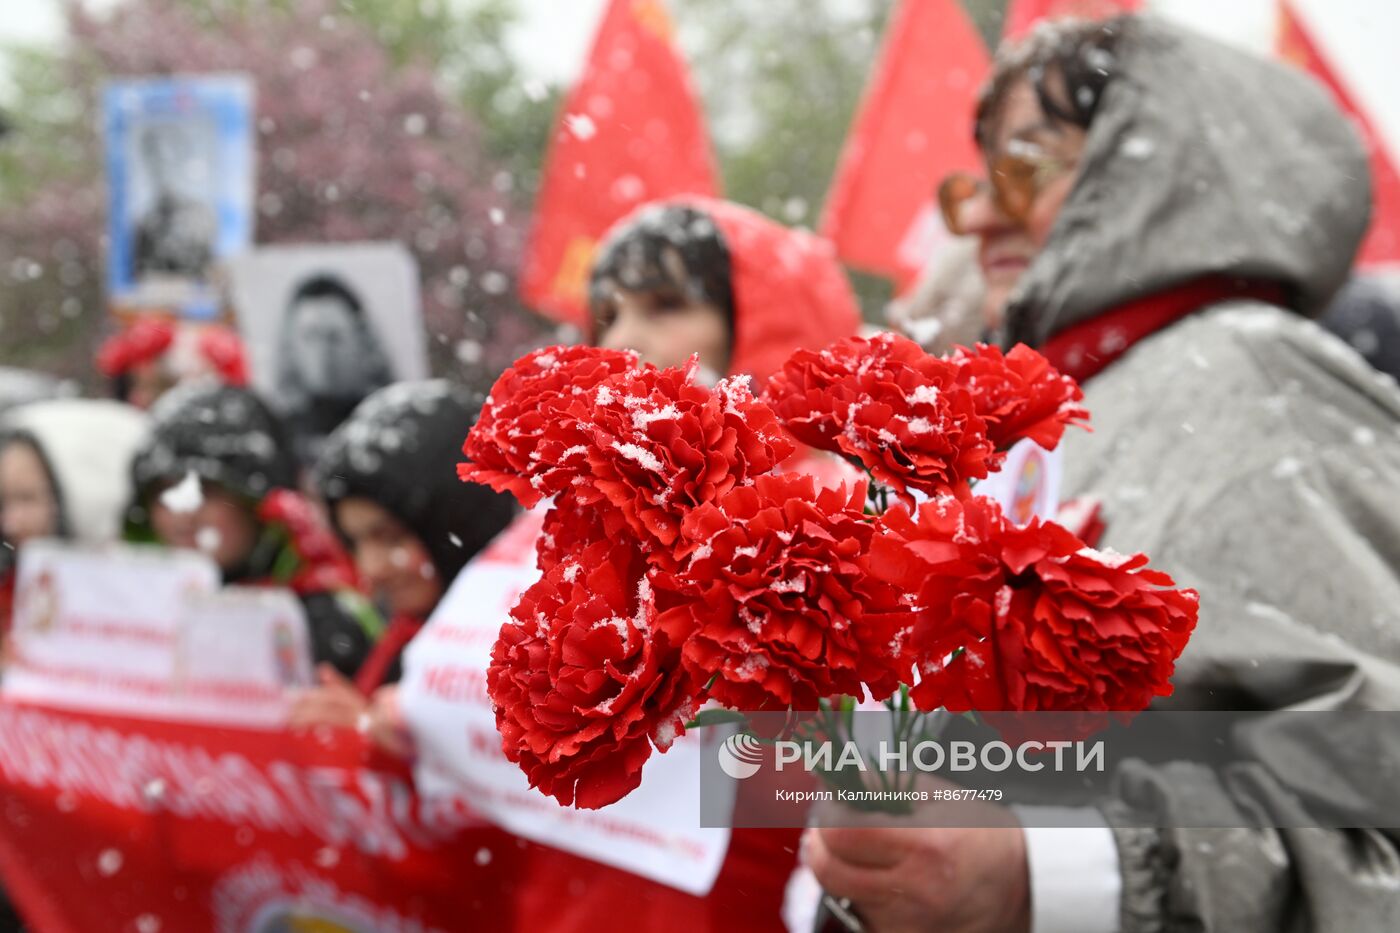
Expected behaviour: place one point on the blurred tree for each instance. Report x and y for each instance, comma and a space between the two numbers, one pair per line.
781, 81
464, 43
50, 222
989, 16
405, 119
357, 140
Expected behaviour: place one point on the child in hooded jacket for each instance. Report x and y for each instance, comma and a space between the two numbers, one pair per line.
217, 476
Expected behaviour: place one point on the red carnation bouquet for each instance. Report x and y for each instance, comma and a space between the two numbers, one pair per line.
684, 568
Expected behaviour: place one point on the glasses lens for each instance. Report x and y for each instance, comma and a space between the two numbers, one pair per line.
953, 194
1015, 181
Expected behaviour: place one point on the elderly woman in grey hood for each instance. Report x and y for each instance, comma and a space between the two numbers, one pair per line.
1165, 215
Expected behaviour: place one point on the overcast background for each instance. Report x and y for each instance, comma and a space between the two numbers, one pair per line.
553, 35
550, 41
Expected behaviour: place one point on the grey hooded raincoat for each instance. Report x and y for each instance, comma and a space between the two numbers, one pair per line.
1253, 455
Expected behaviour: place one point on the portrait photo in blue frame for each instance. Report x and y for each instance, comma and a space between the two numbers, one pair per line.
180, 188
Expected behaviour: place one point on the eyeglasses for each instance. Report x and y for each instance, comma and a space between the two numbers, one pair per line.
1017, 178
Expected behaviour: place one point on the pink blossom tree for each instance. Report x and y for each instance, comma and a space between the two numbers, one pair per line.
352, 145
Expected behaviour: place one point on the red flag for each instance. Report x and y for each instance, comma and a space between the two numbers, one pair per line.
1021, 15
913, 128
1296, 45
631, 131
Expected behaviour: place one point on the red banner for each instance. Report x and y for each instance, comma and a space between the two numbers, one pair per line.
1022, 15
1296, 45
631, 131
139, 826
130, 825
913, 128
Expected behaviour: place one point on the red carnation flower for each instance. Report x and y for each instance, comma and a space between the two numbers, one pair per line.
583, 689
523, 443
663, 444
149, 339
143, 342
900, 412
1020, 395
324, 565
775, 603
222, 348
1029, 618
569, 528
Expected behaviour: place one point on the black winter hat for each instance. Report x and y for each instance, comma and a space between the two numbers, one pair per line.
400, 449
223, 435
672, 250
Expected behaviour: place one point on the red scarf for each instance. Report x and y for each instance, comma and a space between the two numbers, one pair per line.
396, 637
7, 601
1084, 349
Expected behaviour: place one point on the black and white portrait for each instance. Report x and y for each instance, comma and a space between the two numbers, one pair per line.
330, 358
179, 158
325, 326
174, 223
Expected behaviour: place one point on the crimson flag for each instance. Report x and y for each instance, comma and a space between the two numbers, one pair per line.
631, 131
914, 127
1021, 15
1296, 45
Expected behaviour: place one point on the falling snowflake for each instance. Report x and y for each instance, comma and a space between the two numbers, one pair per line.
208, 539
581, 125
109, 862
185, 496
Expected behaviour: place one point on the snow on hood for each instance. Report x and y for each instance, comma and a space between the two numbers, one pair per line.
1202, 160
789, 290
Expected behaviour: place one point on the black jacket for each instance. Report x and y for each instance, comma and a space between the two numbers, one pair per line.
400, 449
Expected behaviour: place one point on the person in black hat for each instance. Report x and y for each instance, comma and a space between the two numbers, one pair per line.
217, 476
389, 477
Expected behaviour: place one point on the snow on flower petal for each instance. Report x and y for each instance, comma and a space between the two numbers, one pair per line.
583, 689
662, 444
1032, 619
1019, 394
887, 404
529, 437
775, 604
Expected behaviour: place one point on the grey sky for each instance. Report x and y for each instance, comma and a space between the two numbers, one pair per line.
553, 36
551, 40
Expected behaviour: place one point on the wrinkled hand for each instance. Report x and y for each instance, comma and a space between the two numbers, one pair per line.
902, 879
335, 702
